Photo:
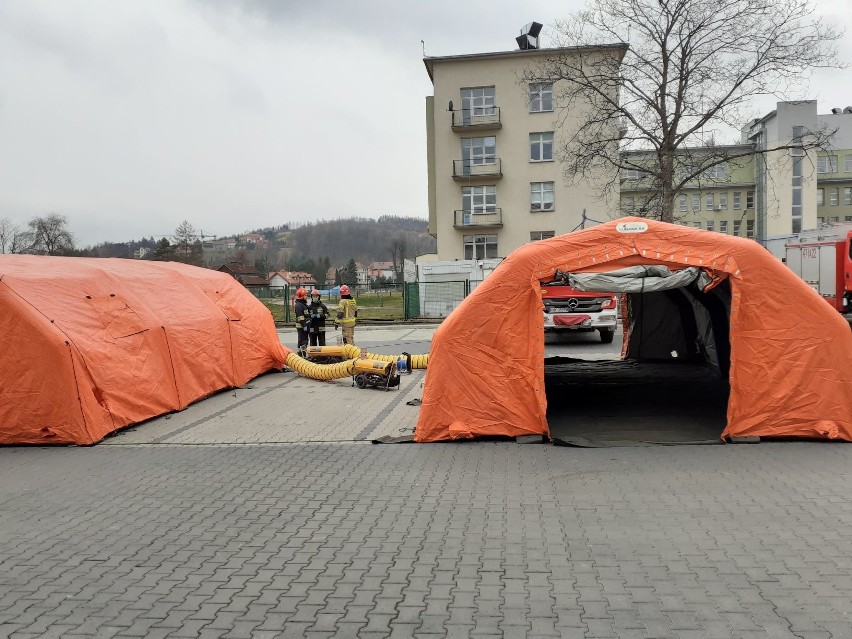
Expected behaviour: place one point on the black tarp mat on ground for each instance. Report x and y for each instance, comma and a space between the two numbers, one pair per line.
629, 403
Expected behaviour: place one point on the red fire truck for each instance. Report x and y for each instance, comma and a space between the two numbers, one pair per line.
823, 258
567, 309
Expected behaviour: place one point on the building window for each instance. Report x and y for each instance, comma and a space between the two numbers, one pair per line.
478, 200
535, 236
827, 164
541, 147
749, 199
820, 197
847, 194
796, 211
709, 201
631, 174
629, 204
477, 151
718, 172
480, 247
832, 197
833, 219
541, 97
723, 226
697, 225
750, 228
848, 218
541, 196
711, 226
723, 201
696, 201
820, 221
737, 227
737, 196
682, 203
847, 164
477, 102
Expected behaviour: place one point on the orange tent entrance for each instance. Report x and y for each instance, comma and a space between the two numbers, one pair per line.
92, 345
788, 356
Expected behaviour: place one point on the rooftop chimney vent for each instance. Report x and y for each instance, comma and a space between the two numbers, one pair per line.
529, 36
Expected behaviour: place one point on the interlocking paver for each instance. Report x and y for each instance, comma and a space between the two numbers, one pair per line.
484, 539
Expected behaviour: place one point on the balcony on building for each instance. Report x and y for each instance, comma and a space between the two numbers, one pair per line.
490, 218
478, 168
477, 119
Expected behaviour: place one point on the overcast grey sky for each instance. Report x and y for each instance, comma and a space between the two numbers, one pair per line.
128, 116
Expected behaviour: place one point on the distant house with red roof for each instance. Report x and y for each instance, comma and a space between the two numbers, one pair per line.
291, 278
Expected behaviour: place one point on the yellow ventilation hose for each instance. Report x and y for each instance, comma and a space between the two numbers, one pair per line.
307, 368
353, 352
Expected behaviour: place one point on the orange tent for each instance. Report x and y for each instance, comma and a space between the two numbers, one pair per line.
789, 357
92, 345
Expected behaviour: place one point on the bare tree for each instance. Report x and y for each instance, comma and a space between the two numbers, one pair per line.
187, 245
47, 235
691, 70
398, 249
10, 236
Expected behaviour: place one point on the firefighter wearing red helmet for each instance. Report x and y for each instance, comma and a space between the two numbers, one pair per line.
317, 312
303, 320
347, 315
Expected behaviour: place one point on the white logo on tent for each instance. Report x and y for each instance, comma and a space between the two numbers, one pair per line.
631, 227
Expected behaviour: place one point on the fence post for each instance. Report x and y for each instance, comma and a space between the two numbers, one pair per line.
286, 303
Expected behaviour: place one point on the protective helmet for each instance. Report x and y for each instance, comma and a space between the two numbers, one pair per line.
315, 292
300, 293
344, 290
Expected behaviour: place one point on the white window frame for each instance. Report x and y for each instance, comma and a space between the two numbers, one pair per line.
696, 225
477, 241
749, 200
847, 194
696, 201
541, 97
717, 172
723, 201
629, 203
478, 200
479, 151
478, 102
631, 174
542, 141
833, 197
538, 196
750, 229
847, 164
536, 236
723, 226
682, 203
820, 197
709, 201
737, 224
827, 164
711, 226
738, 195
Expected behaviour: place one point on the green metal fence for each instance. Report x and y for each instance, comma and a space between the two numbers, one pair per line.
410, 301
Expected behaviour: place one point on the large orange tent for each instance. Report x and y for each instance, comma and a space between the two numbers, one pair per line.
92, 345
787, 354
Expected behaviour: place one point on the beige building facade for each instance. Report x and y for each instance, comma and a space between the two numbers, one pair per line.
494, 179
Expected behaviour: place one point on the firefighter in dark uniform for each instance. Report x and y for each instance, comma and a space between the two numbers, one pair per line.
317, 312
303, 321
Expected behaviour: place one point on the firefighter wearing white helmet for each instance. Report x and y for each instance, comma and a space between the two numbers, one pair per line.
347, 315
318, 312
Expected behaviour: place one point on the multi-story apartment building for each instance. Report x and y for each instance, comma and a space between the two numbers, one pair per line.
494, 179
768, 195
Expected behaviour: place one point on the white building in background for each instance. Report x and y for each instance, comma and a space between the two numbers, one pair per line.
494, 182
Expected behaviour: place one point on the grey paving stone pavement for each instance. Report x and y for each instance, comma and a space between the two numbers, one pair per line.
264, 512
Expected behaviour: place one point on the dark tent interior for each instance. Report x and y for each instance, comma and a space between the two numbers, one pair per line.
671, 387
